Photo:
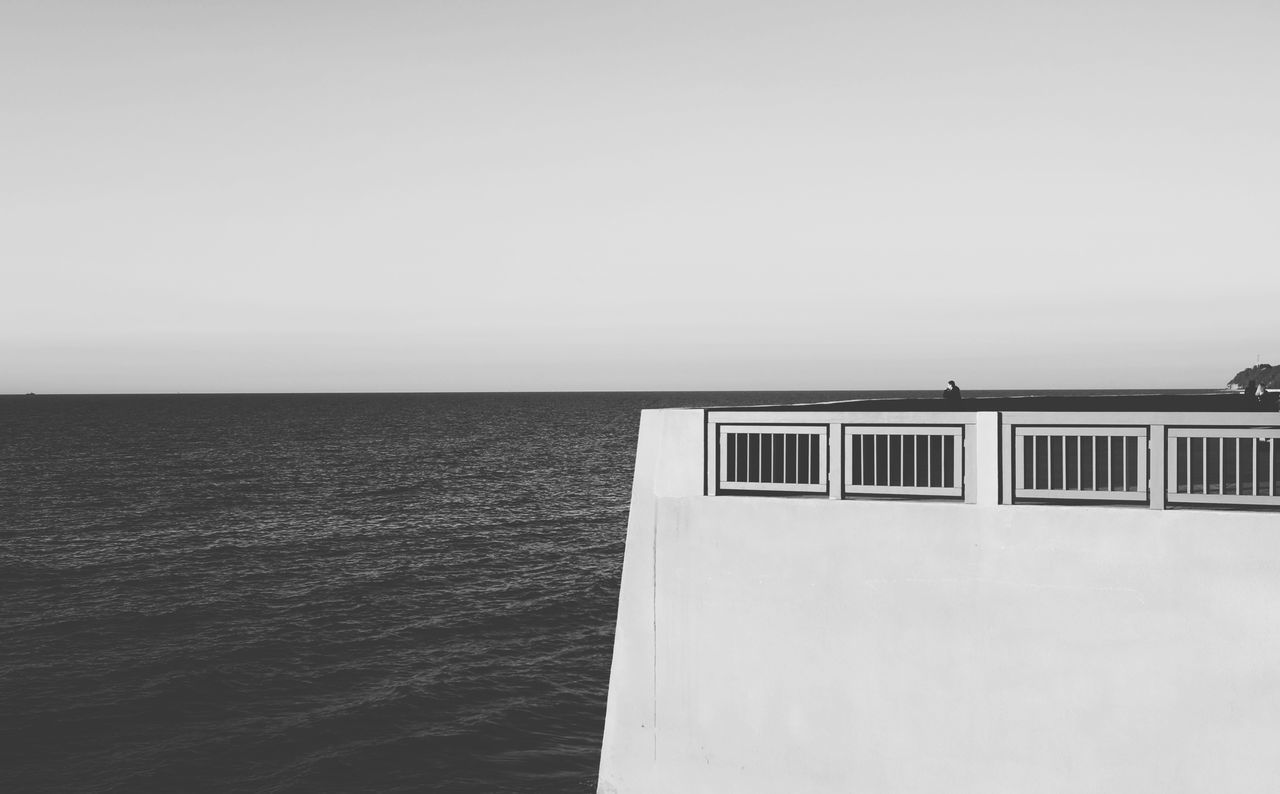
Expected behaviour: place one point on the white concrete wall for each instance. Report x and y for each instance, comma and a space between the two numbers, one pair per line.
809, 645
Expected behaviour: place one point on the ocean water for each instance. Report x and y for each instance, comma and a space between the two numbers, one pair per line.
304, 593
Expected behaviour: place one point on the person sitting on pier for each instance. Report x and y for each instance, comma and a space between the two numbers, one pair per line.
952, 393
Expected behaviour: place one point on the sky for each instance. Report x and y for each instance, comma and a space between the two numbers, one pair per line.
524, 195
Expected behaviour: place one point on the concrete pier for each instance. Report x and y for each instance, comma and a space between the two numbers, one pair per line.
769, 644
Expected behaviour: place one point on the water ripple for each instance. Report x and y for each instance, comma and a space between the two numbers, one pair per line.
311, 593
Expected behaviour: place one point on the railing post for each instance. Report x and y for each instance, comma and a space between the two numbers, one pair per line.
711, 450
1156, 467
987, 438
1007, 461
835, 461
969, 461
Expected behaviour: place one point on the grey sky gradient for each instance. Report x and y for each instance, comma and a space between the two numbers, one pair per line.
271, 196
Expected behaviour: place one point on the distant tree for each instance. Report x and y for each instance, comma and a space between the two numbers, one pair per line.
1265, 374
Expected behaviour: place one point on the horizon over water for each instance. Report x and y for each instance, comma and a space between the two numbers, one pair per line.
842, 393
317, 592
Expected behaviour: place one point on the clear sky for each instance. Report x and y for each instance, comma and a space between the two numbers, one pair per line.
517, 194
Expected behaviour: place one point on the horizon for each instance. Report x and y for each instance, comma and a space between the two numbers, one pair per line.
453, 197
969, 393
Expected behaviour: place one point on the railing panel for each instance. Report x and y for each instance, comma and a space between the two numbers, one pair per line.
772, 458
1222, 465
1080, 463
903, 460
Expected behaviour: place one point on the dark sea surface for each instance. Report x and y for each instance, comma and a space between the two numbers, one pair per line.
302, 593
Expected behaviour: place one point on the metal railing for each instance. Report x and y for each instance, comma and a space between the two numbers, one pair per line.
903, 460
1178, 459
1223, 465
1090, 463
791, 458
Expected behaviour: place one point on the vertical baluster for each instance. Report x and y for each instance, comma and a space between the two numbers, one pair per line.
1237, 446
1111, 464
731, 466
928, 457
1079, 467
1035, 455
862, 461
1205, 465
1190, 455
809, 450
1093, 460
1187, 458
739, 446
1254, 467
1271, 465
1048, 462
1221, 459
1270, 454
1124, 464
1064, 463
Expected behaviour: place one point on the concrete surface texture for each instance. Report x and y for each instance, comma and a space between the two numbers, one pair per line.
810, 645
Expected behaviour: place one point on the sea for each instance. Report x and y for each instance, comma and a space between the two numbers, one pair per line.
314, 592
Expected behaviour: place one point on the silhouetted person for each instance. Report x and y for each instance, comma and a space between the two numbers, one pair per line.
1260, 394
952, 393
1249, 389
